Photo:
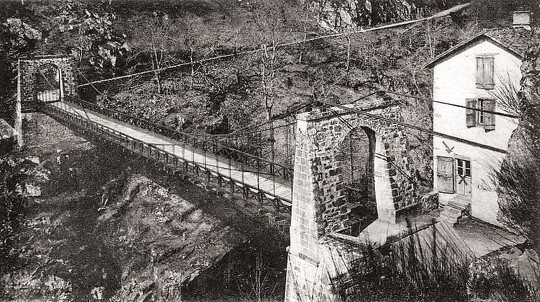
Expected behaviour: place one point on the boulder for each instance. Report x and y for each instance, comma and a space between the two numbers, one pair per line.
32, 159
22, 29
7, 137
32, 190
174, 120
6, 131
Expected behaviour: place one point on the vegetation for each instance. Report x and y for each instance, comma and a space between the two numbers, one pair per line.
519, 178
262, 81
419, 267
415, 268
12, 209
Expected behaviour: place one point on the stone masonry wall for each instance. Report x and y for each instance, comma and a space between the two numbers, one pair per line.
392, 166
319, 207
30, 67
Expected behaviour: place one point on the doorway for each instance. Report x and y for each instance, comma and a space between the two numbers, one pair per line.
48, 88
357, 152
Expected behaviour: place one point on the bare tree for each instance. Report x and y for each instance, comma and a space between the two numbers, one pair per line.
159, 42
518, 180
268, 77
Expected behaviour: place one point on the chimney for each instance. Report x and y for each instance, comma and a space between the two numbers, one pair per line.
522, 19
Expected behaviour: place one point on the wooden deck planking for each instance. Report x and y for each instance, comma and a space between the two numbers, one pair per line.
275, 186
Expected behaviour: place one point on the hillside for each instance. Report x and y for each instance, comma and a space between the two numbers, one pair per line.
221, 68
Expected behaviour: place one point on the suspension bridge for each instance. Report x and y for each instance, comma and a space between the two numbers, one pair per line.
48, 84
240, 171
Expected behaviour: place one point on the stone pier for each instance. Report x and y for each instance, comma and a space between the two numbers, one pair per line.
319, 207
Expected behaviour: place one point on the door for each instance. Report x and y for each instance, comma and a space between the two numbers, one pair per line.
445, 174
463, 177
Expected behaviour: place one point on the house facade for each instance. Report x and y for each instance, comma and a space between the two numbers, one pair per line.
469, 81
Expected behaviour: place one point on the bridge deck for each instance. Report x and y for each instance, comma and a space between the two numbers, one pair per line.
272, 186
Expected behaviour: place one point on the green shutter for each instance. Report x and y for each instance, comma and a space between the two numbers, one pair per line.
470, 113
445, 174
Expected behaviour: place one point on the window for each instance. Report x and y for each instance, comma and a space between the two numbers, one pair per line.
463, 177
463, 168
480, 113
485, 67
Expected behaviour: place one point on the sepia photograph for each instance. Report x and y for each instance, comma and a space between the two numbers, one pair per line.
270, 150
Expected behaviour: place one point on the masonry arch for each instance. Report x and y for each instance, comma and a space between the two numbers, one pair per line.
318, 206
355, 159
381, 178
48, 83
46, 78
319, 192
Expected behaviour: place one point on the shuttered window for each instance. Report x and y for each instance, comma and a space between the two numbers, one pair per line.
489, 118
445, 174
485, 69
483, 115
486, 119
471, 113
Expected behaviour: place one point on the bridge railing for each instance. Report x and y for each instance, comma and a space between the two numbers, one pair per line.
158, 152
206, 143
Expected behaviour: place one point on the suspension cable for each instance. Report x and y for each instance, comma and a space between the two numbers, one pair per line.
303, 41
450, 104
418, 128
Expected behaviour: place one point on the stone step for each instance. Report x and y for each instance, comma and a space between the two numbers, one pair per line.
452, 219
451, 214
455, 209
460, 201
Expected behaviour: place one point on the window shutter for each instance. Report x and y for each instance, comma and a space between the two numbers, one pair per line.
489, 118
445, 174
471, 113
489, 69
479, 72
485, 72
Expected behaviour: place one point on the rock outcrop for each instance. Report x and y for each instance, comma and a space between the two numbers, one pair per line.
7, 137
162, 241
343, 14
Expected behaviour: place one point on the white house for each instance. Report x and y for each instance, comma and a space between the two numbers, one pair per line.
471, 76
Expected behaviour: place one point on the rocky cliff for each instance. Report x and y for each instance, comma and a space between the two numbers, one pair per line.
347, 14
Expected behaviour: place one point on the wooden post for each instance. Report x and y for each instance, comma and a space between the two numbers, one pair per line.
61, 82
18, 110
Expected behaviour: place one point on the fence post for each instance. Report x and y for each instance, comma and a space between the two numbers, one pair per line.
242, 170
18, 110
258, 173
193, 161
184, 154
272, 170
230, 175
204, 155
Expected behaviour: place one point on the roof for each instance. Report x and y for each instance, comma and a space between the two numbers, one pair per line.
514, 40
483, 238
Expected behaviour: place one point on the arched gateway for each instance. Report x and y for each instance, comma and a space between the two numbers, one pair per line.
43, 79
46, 79
319, 195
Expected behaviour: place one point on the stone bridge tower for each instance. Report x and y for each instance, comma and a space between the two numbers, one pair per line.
54, 71
319, 209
